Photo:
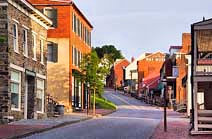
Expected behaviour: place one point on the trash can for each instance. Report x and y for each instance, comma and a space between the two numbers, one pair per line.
60, 109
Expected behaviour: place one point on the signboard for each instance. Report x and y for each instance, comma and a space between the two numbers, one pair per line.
175, 71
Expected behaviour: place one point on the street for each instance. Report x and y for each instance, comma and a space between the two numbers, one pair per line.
132, 120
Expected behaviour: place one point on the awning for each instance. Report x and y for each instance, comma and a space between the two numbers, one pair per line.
152, 81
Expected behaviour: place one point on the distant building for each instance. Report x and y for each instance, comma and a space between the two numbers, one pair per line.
117, 75
23, 68
148, 68
182, 63
68, 42
131, 73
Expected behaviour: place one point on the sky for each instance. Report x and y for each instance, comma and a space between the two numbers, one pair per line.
138, 26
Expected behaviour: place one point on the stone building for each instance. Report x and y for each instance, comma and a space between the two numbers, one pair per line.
23, 60
68, 42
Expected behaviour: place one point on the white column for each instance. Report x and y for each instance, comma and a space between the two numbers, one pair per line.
195, 88
188, 88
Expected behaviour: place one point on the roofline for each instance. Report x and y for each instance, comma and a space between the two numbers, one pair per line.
82, 14
202, 21
153, 54
171, 47
64, 3
30, 6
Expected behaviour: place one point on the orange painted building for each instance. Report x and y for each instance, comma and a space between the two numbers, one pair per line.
181, 63
149, 65
69, 40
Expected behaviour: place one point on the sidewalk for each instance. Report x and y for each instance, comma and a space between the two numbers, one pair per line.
25, 128
177, 128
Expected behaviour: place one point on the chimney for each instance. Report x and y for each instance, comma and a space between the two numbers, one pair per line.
132, 59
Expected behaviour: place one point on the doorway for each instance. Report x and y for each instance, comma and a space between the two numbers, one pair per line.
29, 97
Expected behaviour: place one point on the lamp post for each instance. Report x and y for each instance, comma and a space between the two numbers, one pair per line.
165, 104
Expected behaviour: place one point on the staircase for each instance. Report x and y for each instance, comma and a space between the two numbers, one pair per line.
205, 120
51, 106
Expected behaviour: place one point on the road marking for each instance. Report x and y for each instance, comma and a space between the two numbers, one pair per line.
135, 107
131, 118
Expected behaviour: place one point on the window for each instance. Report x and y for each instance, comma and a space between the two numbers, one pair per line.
40, 95
25, 46
15, 89
78, 26
73, 55
81, 31
41, 51
74, 23
51, 13
34, 46
15, 37
78, 58
52, 52
89, 38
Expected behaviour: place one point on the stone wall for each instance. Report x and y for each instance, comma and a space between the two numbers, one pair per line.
4, 96
8, 56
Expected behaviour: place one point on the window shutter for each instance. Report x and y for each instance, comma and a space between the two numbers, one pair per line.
54, 16
55, 52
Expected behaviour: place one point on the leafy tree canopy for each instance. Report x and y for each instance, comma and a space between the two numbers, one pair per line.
109, 50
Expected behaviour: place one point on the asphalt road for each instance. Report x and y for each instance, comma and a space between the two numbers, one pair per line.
132, 120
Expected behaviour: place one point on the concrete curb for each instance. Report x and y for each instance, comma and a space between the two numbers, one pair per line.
47, 129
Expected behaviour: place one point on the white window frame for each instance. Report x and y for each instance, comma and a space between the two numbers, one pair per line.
34, 46
25, 44
41, 51
15, 38
19, 93
43, 95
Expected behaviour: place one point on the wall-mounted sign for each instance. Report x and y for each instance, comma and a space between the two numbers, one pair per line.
175, 71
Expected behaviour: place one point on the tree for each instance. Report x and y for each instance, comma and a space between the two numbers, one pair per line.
109, 50
93, 73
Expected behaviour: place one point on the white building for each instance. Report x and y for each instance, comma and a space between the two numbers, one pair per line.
131, 72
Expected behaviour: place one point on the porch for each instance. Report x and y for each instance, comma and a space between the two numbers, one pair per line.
202, 97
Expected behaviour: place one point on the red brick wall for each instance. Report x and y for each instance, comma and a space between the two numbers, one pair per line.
181, 63
118, 71
151, 64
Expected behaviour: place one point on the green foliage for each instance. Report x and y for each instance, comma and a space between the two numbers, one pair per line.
103, 103
109, 50
2, 39
92, 72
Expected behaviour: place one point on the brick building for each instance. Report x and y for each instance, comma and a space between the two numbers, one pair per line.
117, 75
23, 62
68, 42
181, 63
149, 65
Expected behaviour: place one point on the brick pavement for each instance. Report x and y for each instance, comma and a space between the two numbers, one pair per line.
177, 128
28, 127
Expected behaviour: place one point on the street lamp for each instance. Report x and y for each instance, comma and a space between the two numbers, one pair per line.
164, 81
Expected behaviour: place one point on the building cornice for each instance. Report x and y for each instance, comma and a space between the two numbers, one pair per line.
32, 12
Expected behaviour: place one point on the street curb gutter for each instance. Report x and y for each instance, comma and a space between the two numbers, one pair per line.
47, 129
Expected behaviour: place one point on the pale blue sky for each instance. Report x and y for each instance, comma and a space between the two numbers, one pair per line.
138, 26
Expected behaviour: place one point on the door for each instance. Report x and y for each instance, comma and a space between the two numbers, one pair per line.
30, 90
